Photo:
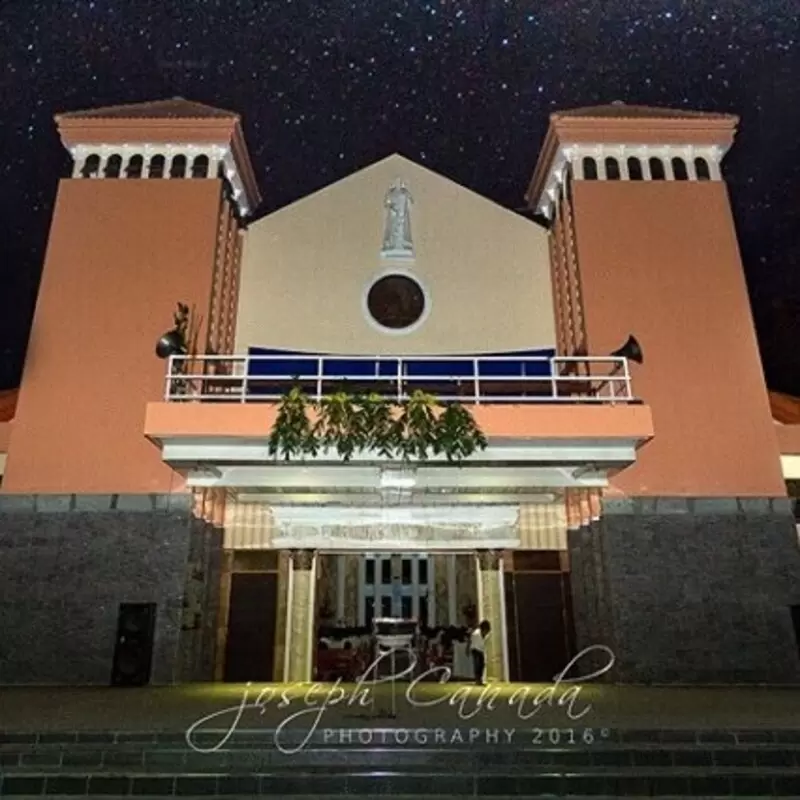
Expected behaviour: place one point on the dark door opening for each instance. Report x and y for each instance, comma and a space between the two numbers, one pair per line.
250, 647
540, 627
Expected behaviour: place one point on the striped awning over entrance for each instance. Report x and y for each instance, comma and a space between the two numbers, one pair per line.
540, 526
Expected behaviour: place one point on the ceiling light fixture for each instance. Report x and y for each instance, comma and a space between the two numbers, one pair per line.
397, 479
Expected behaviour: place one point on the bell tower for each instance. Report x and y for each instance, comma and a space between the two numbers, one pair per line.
698, 534
151, 216
643, 242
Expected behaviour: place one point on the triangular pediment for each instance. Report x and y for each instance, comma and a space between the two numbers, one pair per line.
404, 169
482, 271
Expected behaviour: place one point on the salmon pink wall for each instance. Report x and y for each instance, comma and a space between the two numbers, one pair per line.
516, 422
121, 254
660, 260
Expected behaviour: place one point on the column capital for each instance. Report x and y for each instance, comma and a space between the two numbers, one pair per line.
489, 559
302, 559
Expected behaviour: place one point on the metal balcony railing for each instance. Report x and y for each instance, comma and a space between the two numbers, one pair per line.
488, 379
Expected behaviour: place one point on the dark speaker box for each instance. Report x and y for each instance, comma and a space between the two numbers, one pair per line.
133, 651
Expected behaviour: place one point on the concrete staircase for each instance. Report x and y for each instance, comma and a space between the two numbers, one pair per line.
630, 763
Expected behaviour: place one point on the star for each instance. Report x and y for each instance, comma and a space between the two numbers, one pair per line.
325, 88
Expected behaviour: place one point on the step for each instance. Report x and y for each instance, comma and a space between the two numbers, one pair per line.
617, 764
338, 797
292, 783
575, 738
77, 758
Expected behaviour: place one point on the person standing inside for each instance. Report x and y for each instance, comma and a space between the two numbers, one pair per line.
477, 648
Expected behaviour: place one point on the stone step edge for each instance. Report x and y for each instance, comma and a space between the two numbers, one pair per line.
53, 754
176, 763
410, 769
522, 748
758, 786
339, 797
365, 771
403, 797
621, 736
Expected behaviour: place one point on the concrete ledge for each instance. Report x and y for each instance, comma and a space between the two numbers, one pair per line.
700, 506
716, 505
94, 503
666, 506
10, 503
55, 503
90, 502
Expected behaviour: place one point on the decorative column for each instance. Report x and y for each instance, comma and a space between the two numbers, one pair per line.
341, 589
691, 167
438, 589
452, 590
125, 156
282, 615
491, 607
466, 587
644, 157
669, 170
101, 167
215, 160
300, 615
624, 171
80, 156
577, 165
602, 172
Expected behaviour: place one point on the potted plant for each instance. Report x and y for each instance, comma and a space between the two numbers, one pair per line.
292, 434
367, 423
416, 426
457, 434
336, 427
376, 428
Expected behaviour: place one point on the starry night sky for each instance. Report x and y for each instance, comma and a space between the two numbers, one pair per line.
465, 87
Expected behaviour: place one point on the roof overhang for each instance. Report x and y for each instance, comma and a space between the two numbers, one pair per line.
709, 135
788, 436
5, 437
791, 467
532, 448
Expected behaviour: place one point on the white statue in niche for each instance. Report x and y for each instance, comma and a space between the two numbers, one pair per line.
397, 242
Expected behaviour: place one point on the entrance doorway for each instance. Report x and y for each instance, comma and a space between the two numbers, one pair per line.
396, 585
539, 616
250, 642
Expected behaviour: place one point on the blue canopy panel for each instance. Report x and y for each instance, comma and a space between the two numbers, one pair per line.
436, 374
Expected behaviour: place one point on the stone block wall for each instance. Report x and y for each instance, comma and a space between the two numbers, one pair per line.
691, 590
68, 561
201, 602
590, 599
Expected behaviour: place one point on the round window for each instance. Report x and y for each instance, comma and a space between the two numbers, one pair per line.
396, 302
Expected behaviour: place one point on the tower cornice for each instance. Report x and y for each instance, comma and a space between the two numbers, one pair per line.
173, 126
622, 131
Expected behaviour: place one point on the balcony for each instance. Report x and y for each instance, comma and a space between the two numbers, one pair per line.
478, 381
550, 421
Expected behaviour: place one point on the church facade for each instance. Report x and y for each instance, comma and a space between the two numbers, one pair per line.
630, 497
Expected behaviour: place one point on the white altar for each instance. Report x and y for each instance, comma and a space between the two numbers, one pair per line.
462, 662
